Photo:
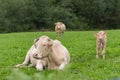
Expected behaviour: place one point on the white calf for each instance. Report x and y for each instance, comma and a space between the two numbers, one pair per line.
101, 39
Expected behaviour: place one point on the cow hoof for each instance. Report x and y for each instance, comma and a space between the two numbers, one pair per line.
97, 56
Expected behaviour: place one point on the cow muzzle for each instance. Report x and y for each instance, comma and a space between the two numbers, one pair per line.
37, 56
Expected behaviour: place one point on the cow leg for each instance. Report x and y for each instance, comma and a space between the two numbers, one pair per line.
103, 51
61, 67
57, 34
39, 65
97, 51
31, 65
26, 61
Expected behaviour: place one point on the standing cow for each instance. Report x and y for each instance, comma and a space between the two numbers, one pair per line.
59, 29
101, 39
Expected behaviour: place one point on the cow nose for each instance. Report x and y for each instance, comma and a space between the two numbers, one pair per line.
39, 56
35, 55
101, 39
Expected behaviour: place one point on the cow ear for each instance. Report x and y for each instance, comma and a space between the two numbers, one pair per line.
105, 33
35, 40
61, 23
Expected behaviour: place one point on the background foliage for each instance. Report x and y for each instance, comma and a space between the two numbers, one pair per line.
32, 15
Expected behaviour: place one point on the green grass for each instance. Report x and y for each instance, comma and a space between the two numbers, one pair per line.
83, 64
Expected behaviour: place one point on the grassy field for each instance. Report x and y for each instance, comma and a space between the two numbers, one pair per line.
83, 64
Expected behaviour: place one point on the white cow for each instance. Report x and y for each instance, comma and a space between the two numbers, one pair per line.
59, 29
56, 55
101, 39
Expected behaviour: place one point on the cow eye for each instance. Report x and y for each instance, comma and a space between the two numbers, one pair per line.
48, 39
44, 44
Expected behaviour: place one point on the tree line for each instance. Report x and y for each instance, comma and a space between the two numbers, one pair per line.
32, 15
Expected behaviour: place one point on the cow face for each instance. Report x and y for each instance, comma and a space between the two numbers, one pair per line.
58, 25
43, 47
100, 36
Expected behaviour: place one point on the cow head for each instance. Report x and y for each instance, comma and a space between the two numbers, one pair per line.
58, 25
100, 35
43, 47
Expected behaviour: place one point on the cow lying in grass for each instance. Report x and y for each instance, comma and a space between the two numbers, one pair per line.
56, 55
47, 53
101, 39
59, 29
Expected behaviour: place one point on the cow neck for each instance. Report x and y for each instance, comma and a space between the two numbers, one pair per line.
46, 56
52, 58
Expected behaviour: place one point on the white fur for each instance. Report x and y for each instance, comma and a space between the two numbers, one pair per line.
57, 55
47, 52
29, 59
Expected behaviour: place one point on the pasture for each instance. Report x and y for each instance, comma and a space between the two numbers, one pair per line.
83, 64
